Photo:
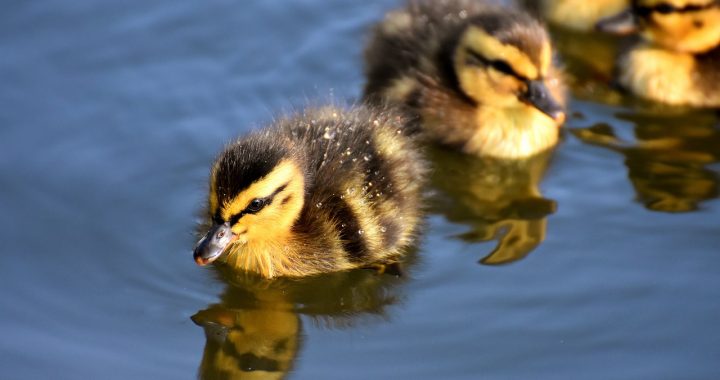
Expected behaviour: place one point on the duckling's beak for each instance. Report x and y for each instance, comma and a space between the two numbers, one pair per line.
621, 24
212, 245
540, 97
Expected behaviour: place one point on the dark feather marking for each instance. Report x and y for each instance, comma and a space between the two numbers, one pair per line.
353, 241
514, 28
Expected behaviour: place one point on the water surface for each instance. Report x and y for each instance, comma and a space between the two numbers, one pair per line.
112, 113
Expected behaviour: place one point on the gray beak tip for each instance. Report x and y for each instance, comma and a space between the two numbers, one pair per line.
213, 244
623, 23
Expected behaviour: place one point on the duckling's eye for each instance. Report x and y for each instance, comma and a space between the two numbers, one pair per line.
256, 205
643, 11
476, 59
503, 67
664, 9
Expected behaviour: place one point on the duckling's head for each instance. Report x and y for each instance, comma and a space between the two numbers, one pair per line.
503, 60
691, 26
257, 191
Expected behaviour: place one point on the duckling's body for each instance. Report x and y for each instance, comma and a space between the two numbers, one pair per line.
679, 60
672, 77
325, 191
579, 15
478, 77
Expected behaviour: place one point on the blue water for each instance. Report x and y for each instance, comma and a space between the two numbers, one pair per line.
111, 114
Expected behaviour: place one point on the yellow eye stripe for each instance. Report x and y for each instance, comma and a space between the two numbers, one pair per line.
492, 49
281, 175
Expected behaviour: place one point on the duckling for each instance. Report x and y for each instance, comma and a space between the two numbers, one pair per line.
326, 190
580, 15
679, 60
476, 77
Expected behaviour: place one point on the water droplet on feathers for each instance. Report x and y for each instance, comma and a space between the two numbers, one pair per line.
329, 134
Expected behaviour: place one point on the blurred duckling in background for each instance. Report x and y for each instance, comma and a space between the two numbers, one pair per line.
679, 61
497, 199
327, 190
588, 57
579, 15
479, 77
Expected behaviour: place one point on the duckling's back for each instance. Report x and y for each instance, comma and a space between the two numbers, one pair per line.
365, 177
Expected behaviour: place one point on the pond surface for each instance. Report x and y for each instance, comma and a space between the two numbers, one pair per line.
111, 114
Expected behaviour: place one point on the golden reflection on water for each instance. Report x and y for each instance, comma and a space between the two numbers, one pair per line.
669, 154
255, 331
668, 160
497, 199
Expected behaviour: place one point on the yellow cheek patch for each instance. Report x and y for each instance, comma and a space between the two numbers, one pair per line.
685, 31
491, 48
283, 173
545, 59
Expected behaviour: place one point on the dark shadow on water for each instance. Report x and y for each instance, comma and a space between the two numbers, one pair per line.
669, 160
255, 331
497, 199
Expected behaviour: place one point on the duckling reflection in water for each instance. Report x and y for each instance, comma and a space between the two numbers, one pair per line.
679, 62
255, 332
479, 77
247, 343
324, 191
668, 164
498, 199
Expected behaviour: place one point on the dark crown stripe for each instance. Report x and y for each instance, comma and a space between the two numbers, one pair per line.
667, 8
246, 162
